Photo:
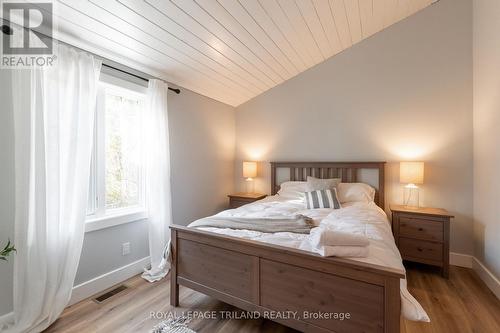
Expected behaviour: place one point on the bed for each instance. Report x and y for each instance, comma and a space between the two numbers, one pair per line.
273, 275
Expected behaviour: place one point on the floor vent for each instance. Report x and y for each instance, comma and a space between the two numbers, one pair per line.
107, 295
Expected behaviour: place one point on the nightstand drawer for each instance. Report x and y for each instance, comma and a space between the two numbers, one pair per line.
421, 229
238, 203
414, 248
239, 199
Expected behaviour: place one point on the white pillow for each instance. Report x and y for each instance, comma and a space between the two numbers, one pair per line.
318, 184
355, 192
292, 190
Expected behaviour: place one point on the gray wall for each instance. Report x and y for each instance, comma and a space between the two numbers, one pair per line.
202, 134
403, 94
6, 187
487, 133
202, 160
102, 249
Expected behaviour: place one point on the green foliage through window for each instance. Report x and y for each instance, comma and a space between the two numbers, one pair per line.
123, 153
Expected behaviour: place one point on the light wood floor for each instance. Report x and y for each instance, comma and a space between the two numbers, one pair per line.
461, 304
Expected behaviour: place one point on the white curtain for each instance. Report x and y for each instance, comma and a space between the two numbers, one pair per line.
158, 194
54, 119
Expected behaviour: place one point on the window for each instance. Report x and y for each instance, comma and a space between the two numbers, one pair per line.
117, 181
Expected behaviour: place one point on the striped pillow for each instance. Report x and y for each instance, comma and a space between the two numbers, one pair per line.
322, 199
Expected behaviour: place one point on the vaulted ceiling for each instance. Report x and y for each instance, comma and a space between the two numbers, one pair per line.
229, 50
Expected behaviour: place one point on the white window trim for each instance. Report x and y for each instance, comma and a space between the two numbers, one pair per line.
102, 219
121, 216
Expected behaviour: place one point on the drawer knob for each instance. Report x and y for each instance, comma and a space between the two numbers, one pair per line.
420, 249
420, 229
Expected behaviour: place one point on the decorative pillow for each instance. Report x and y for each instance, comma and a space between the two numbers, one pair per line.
322, 199
355, 192
292, 190
315, 184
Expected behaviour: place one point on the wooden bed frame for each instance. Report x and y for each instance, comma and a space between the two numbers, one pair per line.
271, 279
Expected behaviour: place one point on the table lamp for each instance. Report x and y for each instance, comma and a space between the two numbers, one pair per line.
411, 174
249, 173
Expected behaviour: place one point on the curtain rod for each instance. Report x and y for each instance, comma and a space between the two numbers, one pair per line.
9, 31
177, 91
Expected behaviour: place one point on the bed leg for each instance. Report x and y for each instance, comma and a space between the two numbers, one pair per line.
174, 286
392, 301
174, 292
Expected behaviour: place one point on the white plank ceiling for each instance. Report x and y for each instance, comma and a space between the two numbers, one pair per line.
229, 50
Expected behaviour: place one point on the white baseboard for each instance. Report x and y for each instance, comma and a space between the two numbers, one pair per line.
7, 318
487, 276
107, 280
461, 260
468, 261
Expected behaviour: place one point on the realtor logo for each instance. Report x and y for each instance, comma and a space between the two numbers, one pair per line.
27, 34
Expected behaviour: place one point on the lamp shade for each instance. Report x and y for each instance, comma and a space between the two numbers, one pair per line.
249, 169
411, 172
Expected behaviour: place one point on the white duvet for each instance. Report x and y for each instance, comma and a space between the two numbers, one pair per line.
359, 218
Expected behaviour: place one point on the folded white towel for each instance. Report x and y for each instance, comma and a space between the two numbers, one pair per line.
335, 251
329, 237
342, 251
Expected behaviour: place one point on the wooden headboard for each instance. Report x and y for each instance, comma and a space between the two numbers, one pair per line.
347, 171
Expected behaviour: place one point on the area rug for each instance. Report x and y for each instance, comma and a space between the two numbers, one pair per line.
173, 325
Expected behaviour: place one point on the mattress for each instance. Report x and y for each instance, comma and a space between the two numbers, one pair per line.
364, 218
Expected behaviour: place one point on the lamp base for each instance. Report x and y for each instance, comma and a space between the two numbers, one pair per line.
411, 196
250, 185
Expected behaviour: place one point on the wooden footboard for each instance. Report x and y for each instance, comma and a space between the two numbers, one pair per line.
319, 293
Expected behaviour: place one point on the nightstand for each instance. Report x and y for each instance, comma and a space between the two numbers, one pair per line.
423, 235
239, 199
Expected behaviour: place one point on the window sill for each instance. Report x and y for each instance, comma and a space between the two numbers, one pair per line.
122, 217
